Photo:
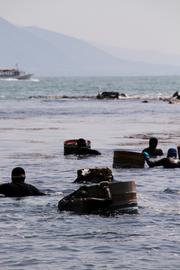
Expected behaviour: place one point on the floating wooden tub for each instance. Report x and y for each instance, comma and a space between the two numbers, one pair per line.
70, 146
123, 199
123, 193
128, 159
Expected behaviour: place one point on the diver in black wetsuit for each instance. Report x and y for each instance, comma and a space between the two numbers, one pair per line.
80, 202
152, 150
17, 188
170, 161
82, 148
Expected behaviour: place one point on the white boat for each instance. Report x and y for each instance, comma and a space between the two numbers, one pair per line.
14, 73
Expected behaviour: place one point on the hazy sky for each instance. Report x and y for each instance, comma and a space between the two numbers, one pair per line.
134, 24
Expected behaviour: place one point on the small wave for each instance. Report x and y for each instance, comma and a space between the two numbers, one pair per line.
31, 156
17, 80
51, 192
60, 97
143, 98
43, 97
8, 79
172, 191
34, 80
161, 136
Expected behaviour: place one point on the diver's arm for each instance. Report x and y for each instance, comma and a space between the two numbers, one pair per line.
159, 162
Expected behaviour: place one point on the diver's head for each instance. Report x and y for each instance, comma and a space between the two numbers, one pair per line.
172, 152
81, 143
153, 142
18, 175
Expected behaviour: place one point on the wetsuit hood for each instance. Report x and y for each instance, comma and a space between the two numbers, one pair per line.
172, 152
18, 175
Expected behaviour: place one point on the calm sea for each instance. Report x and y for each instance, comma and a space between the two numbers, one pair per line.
36, 117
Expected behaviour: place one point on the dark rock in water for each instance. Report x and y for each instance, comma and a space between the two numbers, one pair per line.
95, 175
108, 95
176, 95
105, 198
145, 101
123, 95
175, 98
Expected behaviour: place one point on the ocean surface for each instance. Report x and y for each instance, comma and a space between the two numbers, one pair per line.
36, 117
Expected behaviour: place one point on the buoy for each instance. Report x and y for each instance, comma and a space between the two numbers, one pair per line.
128, 159
70, 146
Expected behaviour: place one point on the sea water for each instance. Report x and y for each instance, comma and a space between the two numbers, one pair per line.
36, 117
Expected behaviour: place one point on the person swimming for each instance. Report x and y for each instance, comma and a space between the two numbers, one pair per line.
17, 187
81, 202
152, 150
82, 148
170, 161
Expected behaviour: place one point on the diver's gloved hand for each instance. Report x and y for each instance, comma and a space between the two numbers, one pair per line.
104, 184
146, 155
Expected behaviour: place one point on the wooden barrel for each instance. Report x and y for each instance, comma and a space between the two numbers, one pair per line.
178, 149
70, 146
128, 159
123, 193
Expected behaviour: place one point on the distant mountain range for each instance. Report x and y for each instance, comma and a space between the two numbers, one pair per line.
47, 53
151, 57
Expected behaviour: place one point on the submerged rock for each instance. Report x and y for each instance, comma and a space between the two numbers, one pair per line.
175, 98
108, 95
